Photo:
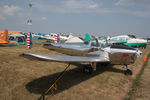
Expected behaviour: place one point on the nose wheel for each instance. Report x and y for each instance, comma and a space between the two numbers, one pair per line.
128, 71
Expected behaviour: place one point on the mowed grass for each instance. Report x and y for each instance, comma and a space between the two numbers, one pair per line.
140, 90
27, 79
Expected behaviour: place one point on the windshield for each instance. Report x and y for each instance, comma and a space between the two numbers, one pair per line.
20, 39
11, 38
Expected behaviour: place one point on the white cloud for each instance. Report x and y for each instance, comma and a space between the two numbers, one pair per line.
81, 4
136, 7
39, 5
44, 7
122, 2
40, 18
10, 10
71, 6
141, 13
2, 18
44, 18
132, 2
91, 6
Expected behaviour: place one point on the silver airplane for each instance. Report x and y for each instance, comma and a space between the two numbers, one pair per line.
90, 53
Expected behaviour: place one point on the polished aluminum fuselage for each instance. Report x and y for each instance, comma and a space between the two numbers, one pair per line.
117, 55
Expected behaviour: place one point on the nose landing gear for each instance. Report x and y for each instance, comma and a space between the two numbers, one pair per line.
128, 71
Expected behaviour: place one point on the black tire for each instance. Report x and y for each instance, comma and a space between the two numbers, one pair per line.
88, 70
128, 72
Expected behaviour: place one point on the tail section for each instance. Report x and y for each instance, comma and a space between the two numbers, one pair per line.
4, 36
57, 38
87, 38
29, 40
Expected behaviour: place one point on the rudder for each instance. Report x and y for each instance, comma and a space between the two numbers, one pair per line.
4, 36
87, 38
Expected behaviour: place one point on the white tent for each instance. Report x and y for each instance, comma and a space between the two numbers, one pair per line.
72, 38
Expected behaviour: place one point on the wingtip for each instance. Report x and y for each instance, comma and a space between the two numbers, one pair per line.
22, 54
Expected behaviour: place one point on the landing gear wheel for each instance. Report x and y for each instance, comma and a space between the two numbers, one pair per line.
128, 72
88, 70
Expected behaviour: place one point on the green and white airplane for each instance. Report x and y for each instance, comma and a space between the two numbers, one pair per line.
129, 41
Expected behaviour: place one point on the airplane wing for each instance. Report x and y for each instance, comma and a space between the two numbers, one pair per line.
73, 46
65, 58
76, 49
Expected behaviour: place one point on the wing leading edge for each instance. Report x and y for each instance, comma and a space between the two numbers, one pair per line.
65, 58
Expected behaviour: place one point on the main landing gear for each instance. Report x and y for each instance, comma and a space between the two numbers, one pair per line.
88, 69
128, 71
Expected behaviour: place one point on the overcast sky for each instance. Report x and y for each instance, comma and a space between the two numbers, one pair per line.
98, 17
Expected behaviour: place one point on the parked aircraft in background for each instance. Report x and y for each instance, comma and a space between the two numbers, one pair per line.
130, 41
12, 39
4, 38
52, 36
19, 38
37, 36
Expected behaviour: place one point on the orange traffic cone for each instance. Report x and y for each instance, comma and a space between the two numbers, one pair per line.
145, 58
